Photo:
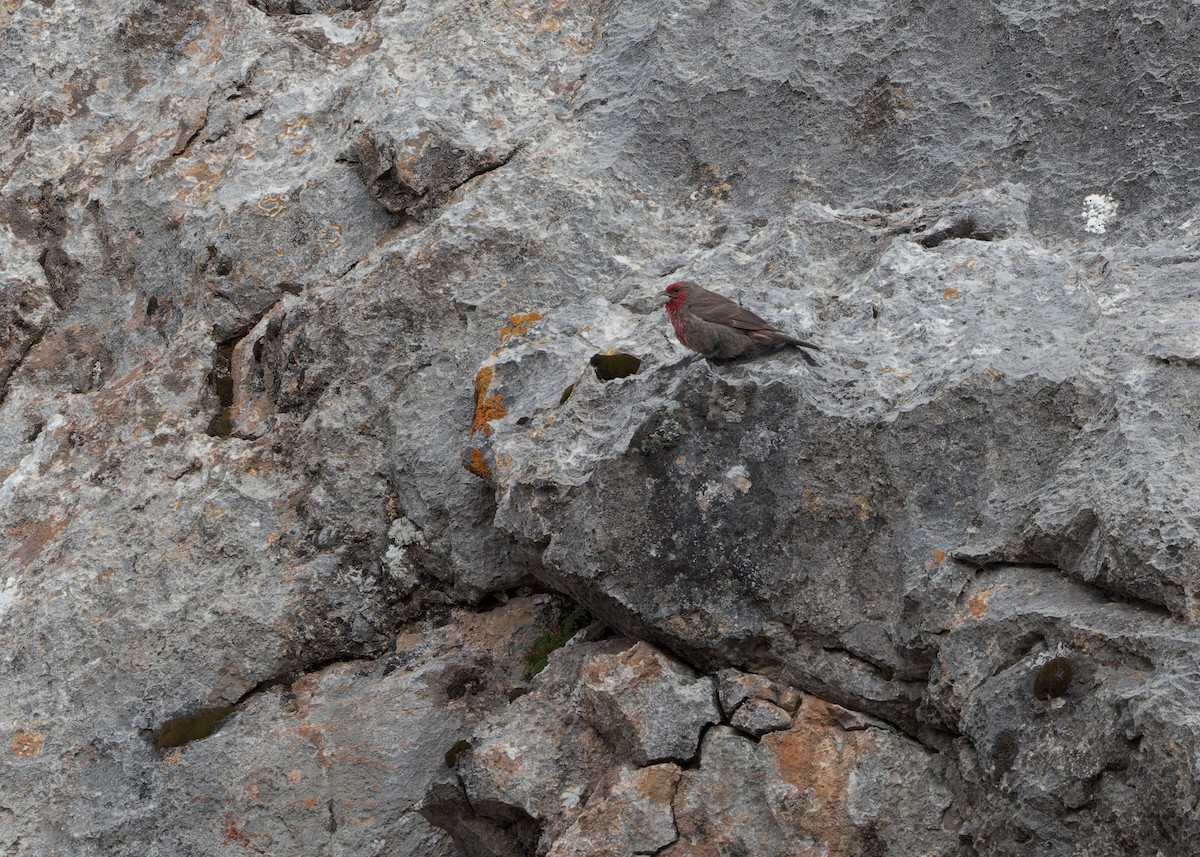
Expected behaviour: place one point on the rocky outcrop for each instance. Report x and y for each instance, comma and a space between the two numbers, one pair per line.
335, 395
542, 778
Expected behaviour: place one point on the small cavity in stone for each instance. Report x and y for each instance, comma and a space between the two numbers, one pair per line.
609, 367
221, 378
965, 228
191, 727
1053, 678
456, 752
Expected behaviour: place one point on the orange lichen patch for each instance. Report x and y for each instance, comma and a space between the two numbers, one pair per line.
978, 605
519, 324
818, 758
938, 557
490, 409
487, 408
951, 294
864, 508
477, 464
28, 745
483, 380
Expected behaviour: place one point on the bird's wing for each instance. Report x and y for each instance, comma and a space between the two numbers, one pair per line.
717, 308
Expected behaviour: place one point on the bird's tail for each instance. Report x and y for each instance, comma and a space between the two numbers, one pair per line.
804, 347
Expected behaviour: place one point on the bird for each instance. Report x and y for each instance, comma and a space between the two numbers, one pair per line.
716, 327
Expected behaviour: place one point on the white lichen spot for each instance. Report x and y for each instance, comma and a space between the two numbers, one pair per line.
1099, 210
403, 535
8, 595
29, 468
740, 477
572, 797
1043, 658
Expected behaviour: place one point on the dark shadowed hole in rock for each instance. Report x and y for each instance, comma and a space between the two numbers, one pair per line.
190, 727
1053, 679
456, 752
567, 393
221, 378
556, 638
965, 228
610, 367
463, 681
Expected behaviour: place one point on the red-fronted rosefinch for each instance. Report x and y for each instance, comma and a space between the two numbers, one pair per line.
715, 326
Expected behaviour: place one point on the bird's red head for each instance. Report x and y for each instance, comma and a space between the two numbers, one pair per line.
676, 295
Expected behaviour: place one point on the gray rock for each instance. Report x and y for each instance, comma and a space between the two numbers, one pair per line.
273, 272
533, 765
757, 717
812, 787
735, 687
629, 814
651, 707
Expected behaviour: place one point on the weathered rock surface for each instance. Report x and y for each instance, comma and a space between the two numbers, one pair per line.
650, 707
630, 813
813, 789
327, 325
812, 785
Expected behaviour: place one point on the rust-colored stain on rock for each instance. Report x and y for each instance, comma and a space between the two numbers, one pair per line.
28, 745
818, 757
657, 783
978, 605
34, 538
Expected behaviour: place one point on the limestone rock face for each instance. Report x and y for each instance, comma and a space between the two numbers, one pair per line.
812, 789
629, 814
811, 786
335, 390
650, 707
